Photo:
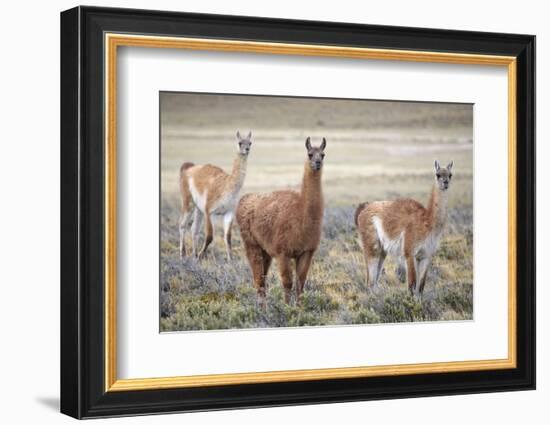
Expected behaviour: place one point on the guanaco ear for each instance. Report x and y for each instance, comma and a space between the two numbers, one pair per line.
437, 167
450, 165
249, 135
308, 143
238, 135
324, 144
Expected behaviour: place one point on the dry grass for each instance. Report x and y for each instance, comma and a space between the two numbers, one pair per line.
215, 294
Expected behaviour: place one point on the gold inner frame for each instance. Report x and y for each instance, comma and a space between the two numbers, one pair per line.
113, 41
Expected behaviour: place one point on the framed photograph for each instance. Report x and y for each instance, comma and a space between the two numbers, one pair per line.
261, 212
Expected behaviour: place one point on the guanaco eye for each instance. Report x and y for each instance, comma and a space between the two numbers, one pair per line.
450, 175
438, 175
310, 155
323, 156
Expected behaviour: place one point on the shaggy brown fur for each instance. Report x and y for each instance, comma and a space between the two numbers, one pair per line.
406, 229
285, 225
207, 190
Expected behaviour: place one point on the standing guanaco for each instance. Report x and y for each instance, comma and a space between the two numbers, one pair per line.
406, 229
207, 190
285, 225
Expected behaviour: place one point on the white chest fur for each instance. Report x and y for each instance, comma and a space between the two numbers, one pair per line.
226, 203
429, 245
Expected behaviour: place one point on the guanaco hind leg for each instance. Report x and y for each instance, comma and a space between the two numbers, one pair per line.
227, 222
184, 221
208, 233
259, 264
195, 230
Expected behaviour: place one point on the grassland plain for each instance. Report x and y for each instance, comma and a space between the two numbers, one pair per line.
376, 150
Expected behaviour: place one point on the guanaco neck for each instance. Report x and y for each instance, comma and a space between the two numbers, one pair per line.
238, 173
312, 196
437, 208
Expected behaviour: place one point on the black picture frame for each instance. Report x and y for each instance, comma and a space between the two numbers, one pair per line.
83, 392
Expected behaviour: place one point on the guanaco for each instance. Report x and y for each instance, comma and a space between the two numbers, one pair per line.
285, 225
207, 191
406, 229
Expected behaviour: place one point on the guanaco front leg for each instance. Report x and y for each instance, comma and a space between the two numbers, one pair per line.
422, 273
302, 267
411, 273
286, 275
266, 263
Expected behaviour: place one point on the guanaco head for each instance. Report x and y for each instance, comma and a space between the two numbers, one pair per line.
244, 143
443, 175
316, 155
